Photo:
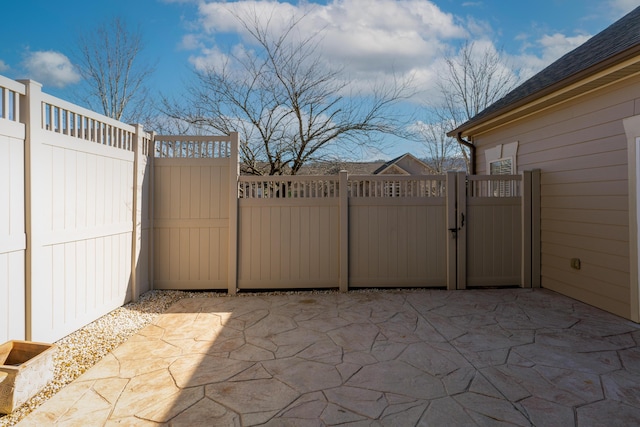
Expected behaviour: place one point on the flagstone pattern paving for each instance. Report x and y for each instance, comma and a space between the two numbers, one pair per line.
511, 357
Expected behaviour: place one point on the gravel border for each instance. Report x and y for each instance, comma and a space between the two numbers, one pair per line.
80, 350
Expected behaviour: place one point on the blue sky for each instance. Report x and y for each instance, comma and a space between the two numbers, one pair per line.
367, 37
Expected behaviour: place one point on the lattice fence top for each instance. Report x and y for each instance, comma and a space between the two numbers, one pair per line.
192, 147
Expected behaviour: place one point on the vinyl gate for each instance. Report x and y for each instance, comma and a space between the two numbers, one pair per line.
496, 226
214, 229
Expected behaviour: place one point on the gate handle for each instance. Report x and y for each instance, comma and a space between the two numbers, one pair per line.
455, 230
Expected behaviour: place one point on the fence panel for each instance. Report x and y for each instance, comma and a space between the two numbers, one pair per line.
397, 231
191, 213
288, 232
494, 230
81, 197
83, 250
12, 214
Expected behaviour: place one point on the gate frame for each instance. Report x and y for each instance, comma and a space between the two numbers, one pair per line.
457, 196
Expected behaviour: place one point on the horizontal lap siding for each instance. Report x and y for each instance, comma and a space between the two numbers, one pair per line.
83, 204
288, 243
581, 149
397, 242
191, 223
12, 232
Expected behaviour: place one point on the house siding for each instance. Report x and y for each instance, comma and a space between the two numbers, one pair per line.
581, 149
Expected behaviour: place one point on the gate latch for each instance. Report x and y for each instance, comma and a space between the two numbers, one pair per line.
455, 230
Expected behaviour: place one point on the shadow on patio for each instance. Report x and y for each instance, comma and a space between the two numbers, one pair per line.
428, 357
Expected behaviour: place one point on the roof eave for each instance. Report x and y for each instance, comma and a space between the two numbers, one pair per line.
512, 110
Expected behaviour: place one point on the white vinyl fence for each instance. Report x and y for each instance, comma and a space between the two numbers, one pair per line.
69, 253
13, 242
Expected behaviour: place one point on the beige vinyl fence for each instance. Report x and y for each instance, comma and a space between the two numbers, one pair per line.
191, 211
497, 230
289, 232
397, 231
215, 229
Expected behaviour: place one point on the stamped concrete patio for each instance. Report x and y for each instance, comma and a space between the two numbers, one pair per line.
400, 358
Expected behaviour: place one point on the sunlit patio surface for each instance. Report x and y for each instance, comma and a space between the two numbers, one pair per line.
394, 358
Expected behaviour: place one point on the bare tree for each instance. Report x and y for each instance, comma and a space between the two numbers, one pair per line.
289, 107
442, 153
115, 76
471, 81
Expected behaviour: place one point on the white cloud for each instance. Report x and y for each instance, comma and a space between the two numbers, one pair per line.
551, 47
624, 6
3, 66
208, 58
51, 68
385, 35
191, 42
556, 45
370, 40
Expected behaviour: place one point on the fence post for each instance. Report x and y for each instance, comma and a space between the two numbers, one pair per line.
136, 231
526, 251
344, 231
450, 207
31, 115
461, 224
234, 172
151, 153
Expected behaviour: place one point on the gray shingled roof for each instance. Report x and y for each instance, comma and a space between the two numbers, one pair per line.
386, 165
615, 40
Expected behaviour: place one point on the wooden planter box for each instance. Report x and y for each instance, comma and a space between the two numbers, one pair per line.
25, 368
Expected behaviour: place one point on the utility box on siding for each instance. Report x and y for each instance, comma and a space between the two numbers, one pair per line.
25, 368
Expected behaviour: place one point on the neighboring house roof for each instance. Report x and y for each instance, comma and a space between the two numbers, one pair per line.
407, 164
326, 168
332, 168
387, 165
613, 49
